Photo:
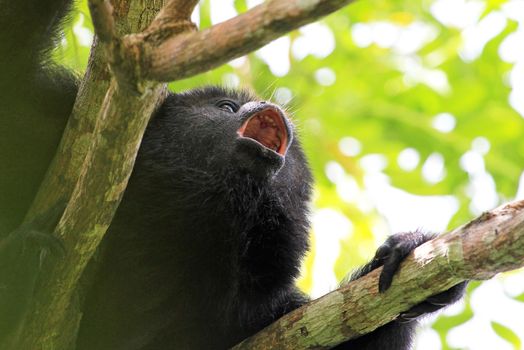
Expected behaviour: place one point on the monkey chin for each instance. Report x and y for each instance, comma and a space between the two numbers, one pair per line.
257, 159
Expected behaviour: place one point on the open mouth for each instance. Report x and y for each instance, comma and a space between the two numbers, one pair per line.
267, 128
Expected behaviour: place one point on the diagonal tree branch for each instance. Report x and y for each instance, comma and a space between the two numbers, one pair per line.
492, 243
183, 56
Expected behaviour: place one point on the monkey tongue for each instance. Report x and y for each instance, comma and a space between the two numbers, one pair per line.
267, 128
263, 133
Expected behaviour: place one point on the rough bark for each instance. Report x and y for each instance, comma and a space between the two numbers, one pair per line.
92, 196
492, 243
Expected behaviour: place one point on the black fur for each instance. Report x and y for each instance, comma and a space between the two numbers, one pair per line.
206, 252
209, 237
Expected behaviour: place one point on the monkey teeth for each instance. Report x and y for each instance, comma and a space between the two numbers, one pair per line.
267, 128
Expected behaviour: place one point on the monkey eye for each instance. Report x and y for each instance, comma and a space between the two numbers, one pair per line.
227, 105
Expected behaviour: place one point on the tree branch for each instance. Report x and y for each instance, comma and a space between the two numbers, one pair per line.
492, 243
174, 18
103, 21
174, 11
182, 56
53, 319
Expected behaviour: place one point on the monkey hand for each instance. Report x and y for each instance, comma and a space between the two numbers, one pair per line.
392, 253
22, 253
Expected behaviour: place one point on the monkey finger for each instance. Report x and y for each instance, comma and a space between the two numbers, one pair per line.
417, 311
449, 296
391, 265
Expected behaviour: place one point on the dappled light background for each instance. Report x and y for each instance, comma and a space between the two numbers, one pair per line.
412, 115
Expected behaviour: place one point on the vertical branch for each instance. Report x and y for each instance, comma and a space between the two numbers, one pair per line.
53, 318
90, 210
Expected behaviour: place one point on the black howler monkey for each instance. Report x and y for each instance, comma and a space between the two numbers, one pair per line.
208, 239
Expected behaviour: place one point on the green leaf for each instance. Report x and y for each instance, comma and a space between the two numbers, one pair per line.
240, 6
519, 298
506, 334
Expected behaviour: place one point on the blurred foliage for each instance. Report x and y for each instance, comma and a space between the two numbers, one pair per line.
507, 334
403, 78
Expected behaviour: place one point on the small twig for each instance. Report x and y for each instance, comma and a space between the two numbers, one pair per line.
177, 10
173, 19
103, 21
104, 25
